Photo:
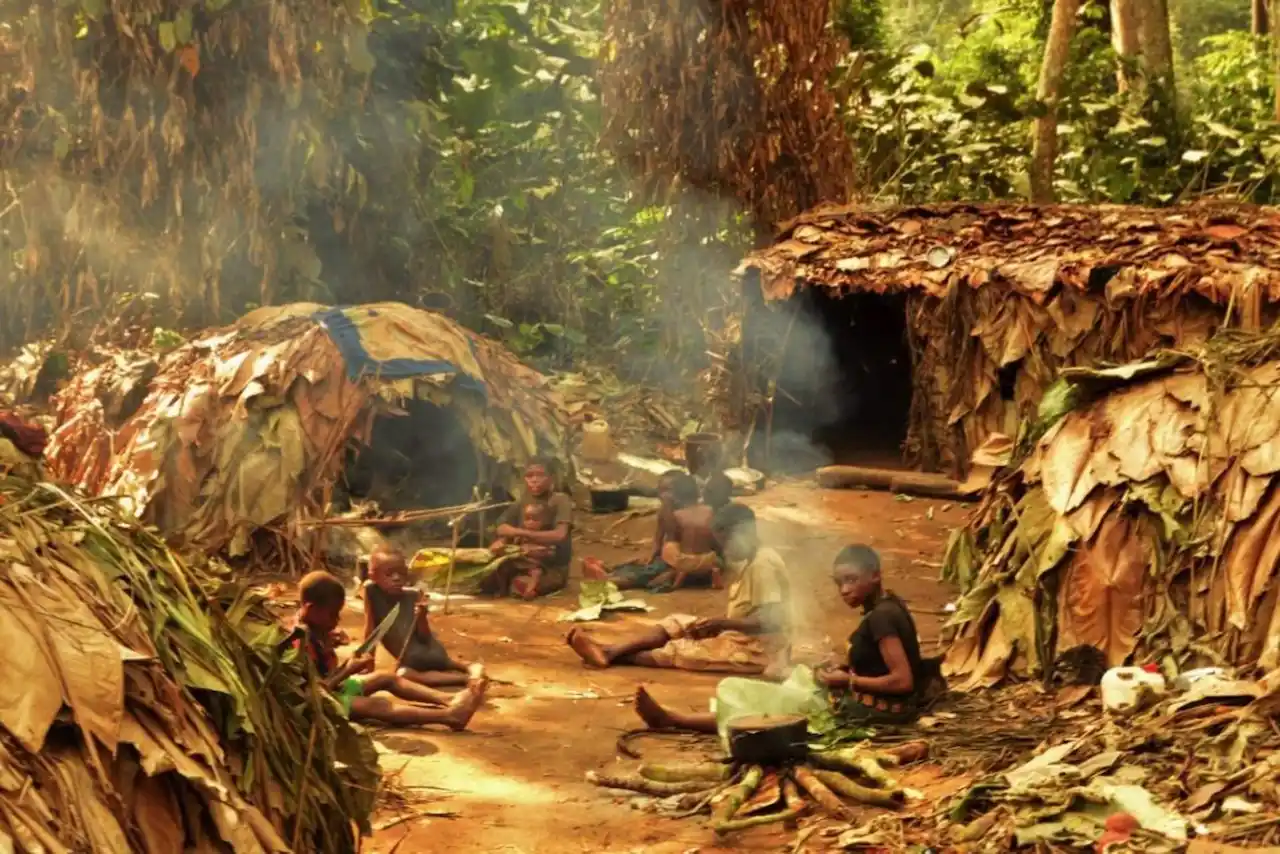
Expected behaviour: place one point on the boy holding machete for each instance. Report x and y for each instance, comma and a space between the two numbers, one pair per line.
321, 599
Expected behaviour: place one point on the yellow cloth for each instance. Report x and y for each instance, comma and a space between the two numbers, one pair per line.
755, 583
727, 652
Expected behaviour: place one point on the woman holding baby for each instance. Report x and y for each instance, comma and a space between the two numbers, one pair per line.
541, 525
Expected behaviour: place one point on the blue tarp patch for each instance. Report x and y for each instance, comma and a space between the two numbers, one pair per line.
346, 337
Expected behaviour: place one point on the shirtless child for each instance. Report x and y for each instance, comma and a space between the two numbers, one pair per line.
321, 598
420, 657
690, 549
683, 545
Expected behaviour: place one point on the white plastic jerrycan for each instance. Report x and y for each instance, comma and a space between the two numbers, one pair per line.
1127, 689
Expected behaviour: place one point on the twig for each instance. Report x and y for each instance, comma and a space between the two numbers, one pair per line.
402, 518
453, 560
396, 822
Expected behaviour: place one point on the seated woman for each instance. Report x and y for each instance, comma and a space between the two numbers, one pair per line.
684, 548
881, 681
543, 566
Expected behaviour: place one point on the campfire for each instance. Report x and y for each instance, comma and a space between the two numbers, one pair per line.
773, 775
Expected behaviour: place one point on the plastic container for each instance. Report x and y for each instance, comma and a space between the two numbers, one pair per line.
1128, 689
597, 442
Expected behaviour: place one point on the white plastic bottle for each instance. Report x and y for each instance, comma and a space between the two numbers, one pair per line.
1128, 689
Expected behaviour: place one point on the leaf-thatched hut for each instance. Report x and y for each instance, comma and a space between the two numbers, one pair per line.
150, 707
934, 327
1140, 516
248, 430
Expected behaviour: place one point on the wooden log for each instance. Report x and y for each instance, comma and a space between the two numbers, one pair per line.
905, 482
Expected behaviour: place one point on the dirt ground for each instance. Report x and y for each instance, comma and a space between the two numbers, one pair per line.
514, 783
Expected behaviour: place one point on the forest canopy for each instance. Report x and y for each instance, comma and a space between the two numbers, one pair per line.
170, 164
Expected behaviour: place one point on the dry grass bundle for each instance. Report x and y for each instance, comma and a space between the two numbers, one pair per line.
729, 98
155, 712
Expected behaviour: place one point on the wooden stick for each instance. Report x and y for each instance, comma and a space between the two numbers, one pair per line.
403, 518
453, 560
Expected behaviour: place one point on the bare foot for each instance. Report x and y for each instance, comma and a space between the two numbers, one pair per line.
654, 716
464, 704
525, 588
587, 649
593, 569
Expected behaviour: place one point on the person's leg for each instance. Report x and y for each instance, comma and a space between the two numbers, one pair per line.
656, 716
629, 651
381, 710
433, 678
498, 582
456, 714
426, 662
398, 686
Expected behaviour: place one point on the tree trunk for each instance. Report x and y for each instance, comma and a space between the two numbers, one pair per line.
1157, 43
1124, 38
1275, 59
1044, 143
1260, 22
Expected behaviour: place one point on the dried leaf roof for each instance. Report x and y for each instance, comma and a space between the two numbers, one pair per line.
245, 427
1151, 507
1211, 250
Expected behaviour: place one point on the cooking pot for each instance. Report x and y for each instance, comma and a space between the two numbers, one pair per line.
769, 739
609, 500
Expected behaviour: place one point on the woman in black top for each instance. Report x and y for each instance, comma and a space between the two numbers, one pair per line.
882, 679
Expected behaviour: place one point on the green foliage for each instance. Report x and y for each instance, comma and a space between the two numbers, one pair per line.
861, 22
953, 122
449, 154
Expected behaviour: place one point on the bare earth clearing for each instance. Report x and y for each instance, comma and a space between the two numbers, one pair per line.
514, 783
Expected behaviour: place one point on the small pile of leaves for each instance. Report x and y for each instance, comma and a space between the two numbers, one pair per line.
1190, 766
156, 711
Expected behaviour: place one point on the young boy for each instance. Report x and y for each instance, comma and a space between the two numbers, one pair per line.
690, 549
750, 639
321, 598
544, 566
717, 491
683, 545
420, 656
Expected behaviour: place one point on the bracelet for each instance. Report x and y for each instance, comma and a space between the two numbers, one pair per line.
853, 678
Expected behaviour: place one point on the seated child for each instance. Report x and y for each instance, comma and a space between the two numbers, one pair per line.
717, 491
527, 571
684, 547
321, 598
420, 657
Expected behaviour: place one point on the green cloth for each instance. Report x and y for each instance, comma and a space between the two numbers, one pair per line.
348, 691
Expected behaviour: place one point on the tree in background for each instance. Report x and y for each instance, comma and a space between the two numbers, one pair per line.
729, 98
1044, 146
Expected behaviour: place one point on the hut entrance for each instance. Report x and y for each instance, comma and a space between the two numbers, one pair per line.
421, 459
845, 382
